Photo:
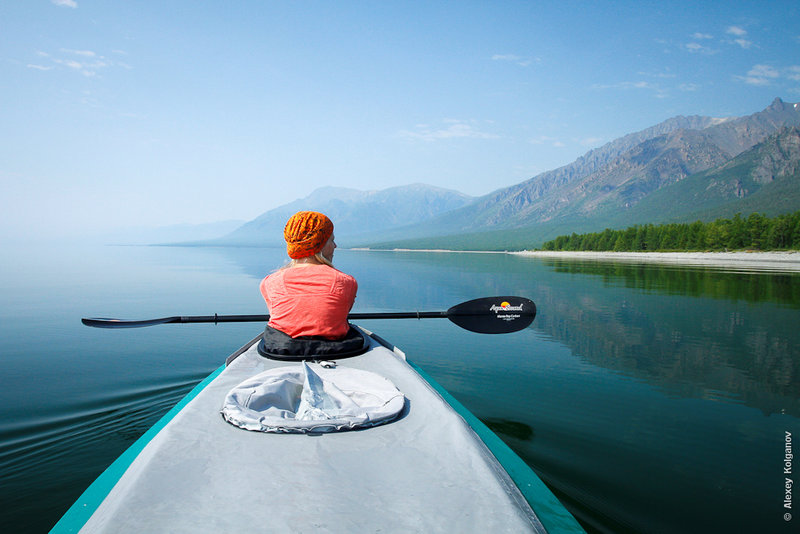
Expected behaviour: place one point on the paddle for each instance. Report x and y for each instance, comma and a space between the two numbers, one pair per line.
488, 315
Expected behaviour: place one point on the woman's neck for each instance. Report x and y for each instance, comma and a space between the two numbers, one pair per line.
305, 262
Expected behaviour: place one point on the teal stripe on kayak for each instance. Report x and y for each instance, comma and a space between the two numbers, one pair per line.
555, 518
80, 512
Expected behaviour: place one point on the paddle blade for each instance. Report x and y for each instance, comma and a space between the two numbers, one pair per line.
493, 315
100, 322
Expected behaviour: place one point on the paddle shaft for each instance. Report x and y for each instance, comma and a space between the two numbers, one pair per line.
489, 315
264, 318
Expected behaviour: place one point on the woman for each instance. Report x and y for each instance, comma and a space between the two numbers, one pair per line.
308, 298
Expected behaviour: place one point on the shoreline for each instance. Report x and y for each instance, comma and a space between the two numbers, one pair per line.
772, 261
788, 260
438, 250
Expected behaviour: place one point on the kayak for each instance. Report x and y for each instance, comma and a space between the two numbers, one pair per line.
433, 467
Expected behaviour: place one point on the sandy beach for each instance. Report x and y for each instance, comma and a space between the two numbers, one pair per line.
787, 261
771, 261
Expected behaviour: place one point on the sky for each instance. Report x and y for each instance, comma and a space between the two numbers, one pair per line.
119, 114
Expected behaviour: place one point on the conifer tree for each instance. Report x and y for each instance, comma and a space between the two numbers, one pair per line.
756, 231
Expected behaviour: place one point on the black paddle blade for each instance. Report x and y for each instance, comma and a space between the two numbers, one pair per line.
493, 315
101, 322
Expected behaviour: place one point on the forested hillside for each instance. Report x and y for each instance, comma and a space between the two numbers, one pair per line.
756, 232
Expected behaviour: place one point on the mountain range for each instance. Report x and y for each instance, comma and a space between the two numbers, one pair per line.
356, 214
680, 170
615, 185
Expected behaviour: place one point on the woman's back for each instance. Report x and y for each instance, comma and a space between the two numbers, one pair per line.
310, 300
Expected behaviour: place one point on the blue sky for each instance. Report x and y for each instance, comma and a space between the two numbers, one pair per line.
123, 113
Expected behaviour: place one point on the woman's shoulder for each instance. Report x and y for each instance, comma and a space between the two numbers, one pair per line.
273, 276
311, 271
348, 280
272, 280
335, 275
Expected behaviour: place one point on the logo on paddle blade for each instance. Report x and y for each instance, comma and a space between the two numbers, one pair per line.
506, 307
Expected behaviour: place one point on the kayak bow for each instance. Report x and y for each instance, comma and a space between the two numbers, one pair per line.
435, 468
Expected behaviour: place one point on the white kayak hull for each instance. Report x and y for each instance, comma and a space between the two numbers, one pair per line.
427, 471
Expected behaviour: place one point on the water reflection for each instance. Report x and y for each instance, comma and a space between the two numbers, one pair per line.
726, 335
750, 286
512, 429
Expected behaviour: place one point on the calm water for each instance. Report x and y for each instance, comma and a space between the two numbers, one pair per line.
649, 398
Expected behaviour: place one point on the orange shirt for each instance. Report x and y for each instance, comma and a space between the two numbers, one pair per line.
312, 300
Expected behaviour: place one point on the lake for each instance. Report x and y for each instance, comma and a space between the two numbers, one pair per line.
650, 398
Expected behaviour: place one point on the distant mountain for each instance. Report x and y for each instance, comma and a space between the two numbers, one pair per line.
356, 214
604, 187
764, 178
498, 208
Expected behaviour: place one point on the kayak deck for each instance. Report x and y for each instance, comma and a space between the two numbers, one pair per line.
427, 471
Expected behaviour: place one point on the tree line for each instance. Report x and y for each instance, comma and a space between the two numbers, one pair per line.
756, 232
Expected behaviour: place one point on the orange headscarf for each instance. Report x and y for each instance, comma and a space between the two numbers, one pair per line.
306, 232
